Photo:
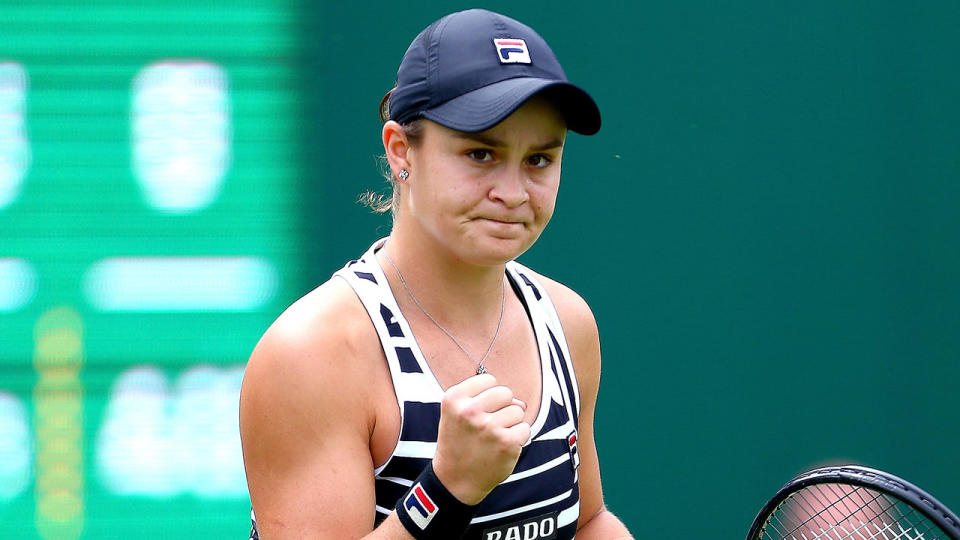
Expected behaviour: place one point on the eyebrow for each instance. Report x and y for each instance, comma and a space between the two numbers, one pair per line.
495, 143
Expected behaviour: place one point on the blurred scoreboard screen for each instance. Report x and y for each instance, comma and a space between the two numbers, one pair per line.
148, 236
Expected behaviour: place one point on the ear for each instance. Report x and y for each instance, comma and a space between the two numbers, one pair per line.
396, 147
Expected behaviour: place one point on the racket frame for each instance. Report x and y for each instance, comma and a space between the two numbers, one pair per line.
874, 479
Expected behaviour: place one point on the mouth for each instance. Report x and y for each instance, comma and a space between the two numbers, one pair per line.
502, 227
506, 222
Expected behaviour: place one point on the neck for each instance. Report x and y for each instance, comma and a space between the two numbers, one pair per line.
451, 290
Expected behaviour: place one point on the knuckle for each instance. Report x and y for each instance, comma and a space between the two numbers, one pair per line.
523, 432
466, 409
454, 408
502, 445
483, 422
512, 448
449, 400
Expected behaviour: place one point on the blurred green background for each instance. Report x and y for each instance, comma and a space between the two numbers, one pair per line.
766, 228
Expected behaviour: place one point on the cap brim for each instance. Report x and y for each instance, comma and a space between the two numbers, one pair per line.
487, 106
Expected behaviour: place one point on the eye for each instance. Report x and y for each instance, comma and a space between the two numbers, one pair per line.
480, 154
539, 161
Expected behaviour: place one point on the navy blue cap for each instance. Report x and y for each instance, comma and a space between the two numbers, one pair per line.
471, 69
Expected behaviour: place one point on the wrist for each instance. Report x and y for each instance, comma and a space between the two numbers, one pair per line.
456, 484
429, 511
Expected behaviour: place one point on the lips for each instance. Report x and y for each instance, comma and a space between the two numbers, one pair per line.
502, 220
503, 226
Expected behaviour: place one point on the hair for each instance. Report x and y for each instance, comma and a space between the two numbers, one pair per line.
381, 202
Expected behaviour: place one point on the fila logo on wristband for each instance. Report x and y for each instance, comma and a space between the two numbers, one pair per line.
420, 507
512, 51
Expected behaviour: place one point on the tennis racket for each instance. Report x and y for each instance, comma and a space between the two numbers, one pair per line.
856, 503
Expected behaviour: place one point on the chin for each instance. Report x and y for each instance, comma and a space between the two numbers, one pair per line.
494, 250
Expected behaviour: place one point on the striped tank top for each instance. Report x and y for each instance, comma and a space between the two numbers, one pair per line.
540, 499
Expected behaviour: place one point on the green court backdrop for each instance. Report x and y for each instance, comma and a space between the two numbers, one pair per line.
766, 228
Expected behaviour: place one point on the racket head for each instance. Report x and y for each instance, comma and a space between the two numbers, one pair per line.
854, 489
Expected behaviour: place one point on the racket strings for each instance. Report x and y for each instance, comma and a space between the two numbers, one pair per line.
841, 512
818, 507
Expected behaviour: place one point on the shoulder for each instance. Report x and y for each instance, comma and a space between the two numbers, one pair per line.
578, 322
314, 358
326, 320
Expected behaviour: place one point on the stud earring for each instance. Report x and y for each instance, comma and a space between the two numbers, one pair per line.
403, 175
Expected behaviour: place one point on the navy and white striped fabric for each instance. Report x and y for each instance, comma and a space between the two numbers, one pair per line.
543, 488
545, 478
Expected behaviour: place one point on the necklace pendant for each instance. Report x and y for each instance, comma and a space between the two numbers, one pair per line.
481, 369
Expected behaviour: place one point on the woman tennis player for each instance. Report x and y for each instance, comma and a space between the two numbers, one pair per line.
434, 388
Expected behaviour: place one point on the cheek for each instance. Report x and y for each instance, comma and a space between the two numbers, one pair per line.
445, 187
543, 206
543, 199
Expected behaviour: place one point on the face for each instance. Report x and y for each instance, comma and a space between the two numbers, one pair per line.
486, 197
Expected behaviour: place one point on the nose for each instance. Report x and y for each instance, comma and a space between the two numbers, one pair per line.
510, 188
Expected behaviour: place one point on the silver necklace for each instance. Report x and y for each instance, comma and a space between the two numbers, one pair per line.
481, 369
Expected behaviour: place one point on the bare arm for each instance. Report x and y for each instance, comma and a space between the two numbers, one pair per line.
580, 327
308, 412
305, 422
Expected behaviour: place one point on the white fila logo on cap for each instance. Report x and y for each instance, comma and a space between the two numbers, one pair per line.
512, 51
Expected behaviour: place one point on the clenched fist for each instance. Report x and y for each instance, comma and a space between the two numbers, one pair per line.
480, 437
